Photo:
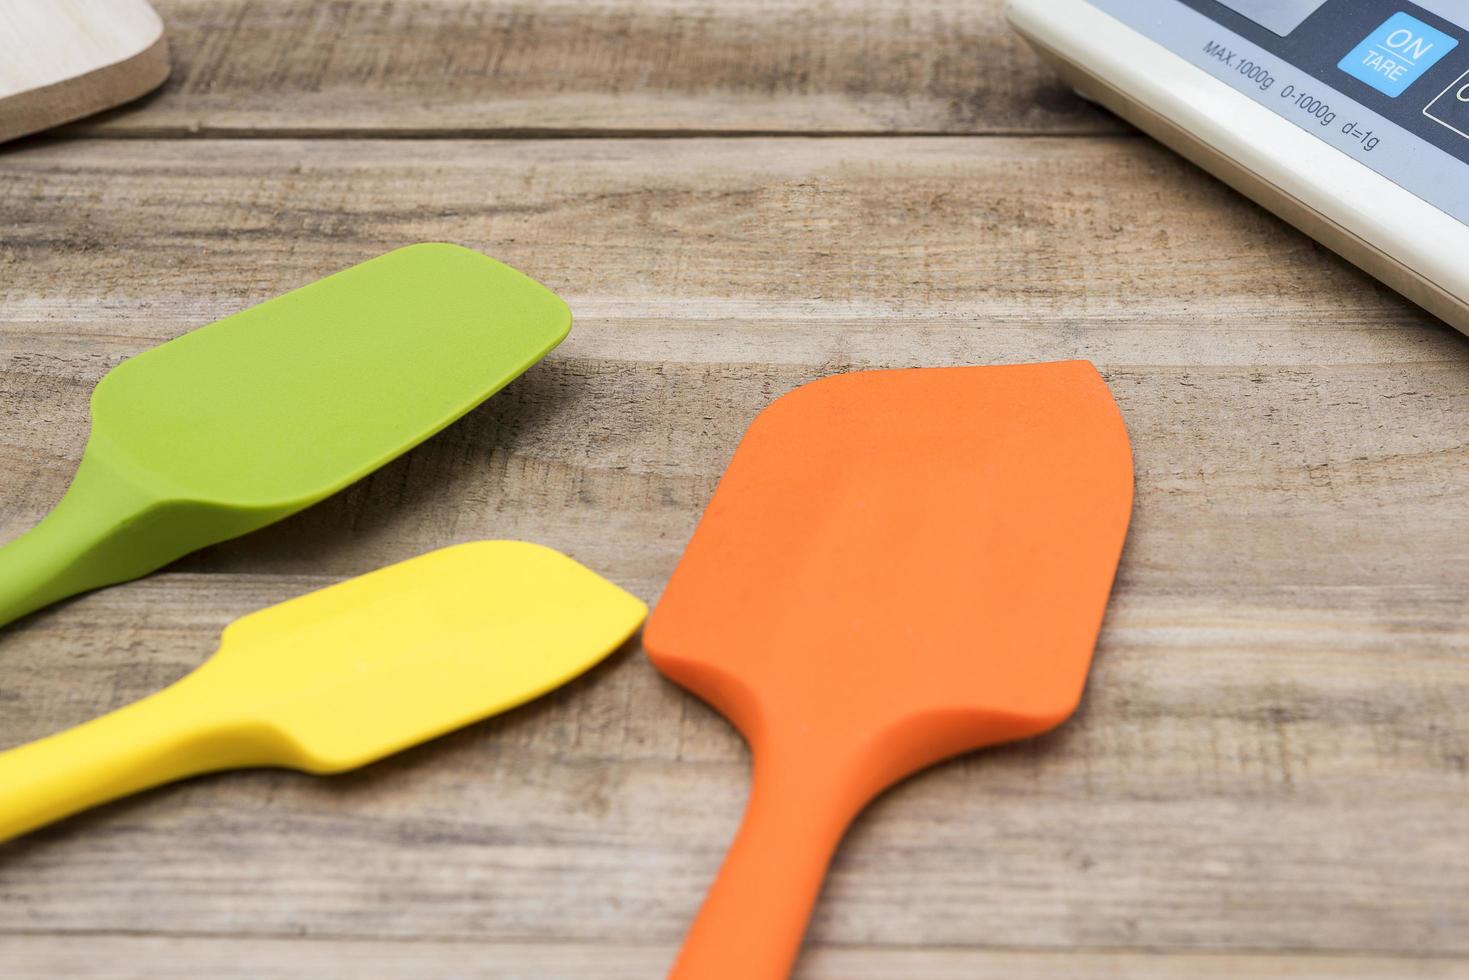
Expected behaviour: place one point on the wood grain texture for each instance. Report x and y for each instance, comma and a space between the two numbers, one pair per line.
146, 958
1269, 772
573, 66
64, 59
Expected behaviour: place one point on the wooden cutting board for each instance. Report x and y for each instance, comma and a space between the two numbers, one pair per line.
64, 59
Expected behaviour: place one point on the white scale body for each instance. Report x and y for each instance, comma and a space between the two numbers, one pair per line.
1348, 118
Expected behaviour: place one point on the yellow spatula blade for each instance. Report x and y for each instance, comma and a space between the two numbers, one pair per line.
341, 677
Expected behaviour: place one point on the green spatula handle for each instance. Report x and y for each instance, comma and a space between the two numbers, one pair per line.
65, 553
154, 741
41, 566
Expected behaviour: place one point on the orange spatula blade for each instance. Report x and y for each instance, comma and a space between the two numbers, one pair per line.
897, 566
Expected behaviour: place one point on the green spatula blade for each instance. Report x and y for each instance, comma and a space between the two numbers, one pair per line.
250, 419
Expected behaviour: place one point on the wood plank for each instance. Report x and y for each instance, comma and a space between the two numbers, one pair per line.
1242, 778
936, 232
496, 66
150, 958
1274, 749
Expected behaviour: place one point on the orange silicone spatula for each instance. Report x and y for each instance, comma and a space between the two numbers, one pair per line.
896, 567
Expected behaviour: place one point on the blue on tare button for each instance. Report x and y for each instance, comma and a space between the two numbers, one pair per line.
1394, 56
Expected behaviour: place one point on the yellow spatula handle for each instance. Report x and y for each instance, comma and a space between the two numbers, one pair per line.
154, 741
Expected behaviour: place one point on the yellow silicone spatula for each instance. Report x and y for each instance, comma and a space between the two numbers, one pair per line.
339, 678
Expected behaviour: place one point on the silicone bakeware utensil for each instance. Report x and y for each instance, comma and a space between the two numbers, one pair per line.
250, 419
339, 678
896, 567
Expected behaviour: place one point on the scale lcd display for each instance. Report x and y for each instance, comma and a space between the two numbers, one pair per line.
1280, 16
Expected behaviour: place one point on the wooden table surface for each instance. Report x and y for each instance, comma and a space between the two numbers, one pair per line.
1270, 772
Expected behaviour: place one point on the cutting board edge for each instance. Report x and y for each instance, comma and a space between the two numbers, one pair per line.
79, 96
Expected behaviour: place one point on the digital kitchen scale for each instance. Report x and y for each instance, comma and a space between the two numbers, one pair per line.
1348, 118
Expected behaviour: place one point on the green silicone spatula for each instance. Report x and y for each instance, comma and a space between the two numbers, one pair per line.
250, 419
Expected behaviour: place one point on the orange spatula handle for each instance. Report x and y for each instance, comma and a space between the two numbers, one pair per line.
752, 920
